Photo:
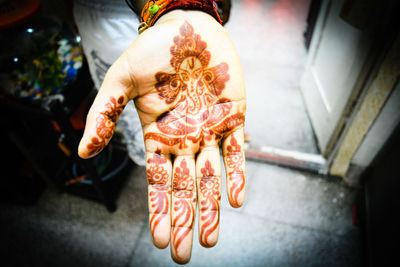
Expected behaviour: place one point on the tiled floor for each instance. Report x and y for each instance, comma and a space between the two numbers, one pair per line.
290, 218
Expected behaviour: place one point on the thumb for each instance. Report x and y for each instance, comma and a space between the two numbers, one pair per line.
116, 90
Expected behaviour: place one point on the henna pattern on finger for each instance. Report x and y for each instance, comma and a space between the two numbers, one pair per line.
209, 190
183, 181
156, 174
105, 124
184, 199
198, 112
234, 159
157, 177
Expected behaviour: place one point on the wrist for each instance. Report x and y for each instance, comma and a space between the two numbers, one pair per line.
154, 10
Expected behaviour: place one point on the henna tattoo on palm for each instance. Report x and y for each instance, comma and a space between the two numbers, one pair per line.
204, 103
198, 113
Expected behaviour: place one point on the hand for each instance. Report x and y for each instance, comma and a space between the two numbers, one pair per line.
185, 78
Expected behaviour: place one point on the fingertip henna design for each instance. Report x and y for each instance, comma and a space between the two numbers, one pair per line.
159, 194
184, 204
209, 188
95, 146
185, 211
236, 176
159, 199
105, 124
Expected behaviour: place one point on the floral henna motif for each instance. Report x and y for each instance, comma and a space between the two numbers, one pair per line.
183, 187
235, 160
156, 174
198, 112
209, 206
105, 124
183, 182
159, 194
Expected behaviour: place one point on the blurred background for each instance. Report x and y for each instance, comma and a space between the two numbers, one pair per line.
322, 125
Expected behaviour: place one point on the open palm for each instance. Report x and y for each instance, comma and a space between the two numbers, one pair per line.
187, 84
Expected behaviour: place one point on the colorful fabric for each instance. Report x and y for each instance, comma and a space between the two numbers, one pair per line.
149, 17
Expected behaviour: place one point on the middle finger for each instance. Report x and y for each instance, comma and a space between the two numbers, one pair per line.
183, 208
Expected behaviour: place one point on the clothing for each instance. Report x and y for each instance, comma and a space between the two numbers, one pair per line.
107, 28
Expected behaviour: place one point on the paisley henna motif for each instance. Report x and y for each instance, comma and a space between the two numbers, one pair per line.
198, 113
209, 206
235, 160
106, 124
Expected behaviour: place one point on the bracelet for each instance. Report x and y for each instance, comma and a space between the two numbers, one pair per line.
154, 9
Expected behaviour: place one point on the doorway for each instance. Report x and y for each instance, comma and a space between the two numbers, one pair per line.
269, 38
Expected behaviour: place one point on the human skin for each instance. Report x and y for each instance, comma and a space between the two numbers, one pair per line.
185, 78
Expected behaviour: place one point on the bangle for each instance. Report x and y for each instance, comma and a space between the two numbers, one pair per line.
154, 9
